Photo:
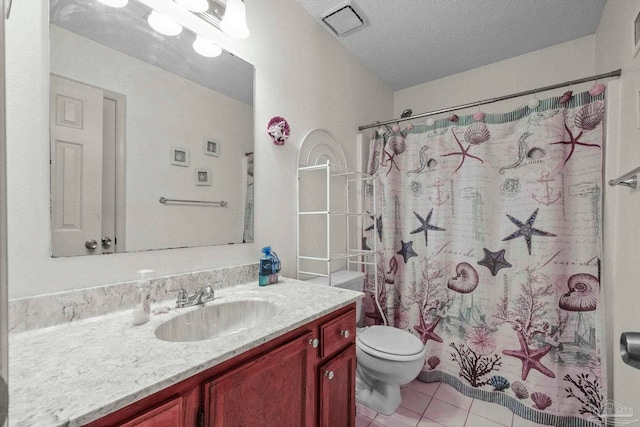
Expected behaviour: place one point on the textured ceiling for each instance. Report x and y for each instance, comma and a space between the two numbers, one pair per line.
408, 42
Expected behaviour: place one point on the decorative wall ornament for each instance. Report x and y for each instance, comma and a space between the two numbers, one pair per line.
203, 177
278, 130
211, 147
179, 156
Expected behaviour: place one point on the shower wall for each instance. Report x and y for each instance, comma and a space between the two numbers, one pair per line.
614, 49
555, 64
609, 49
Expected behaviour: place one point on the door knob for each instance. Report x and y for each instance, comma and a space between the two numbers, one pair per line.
91, 244
106, 242
630, 348
329, 374
314, 342
345, 333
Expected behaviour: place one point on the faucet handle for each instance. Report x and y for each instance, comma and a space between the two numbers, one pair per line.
208, 293
182, 296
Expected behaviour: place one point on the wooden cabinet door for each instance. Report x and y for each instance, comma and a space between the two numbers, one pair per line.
178, 412
275, 389
337, 398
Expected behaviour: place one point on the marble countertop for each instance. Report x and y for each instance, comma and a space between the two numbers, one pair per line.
75, 373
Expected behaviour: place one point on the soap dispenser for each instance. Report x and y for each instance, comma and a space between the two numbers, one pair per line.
142, 309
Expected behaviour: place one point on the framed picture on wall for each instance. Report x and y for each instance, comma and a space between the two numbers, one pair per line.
203, 177
211, 147
179, 156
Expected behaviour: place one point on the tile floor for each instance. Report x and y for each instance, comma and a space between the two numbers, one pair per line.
440, 405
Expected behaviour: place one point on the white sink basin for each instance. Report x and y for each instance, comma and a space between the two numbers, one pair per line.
217, 320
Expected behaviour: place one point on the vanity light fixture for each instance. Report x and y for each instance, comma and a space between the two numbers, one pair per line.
197, 6
163, 24
206, 47
234, 22
115, 3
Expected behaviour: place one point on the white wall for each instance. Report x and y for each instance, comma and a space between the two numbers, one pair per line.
4, 348
182, 114
302, 74
614, 47
609, 49
555, 64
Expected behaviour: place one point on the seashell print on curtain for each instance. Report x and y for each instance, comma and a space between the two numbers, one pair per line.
489, 247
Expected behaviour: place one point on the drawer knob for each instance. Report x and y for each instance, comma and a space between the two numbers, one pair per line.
314, 342
345, 333
329, 374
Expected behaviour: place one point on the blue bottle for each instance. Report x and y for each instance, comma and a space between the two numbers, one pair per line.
269, 267
266, 266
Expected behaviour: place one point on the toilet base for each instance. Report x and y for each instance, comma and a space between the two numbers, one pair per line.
384, 398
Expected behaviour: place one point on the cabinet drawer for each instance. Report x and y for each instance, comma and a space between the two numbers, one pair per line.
337, 333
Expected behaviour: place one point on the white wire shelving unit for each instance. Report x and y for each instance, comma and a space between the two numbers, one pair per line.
326, 160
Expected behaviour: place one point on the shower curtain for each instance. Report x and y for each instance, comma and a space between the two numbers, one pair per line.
247, 235
488, 235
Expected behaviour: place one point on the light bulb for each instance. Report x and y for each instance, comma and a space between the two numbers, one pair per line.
234, 22
430, 122
206, 48
198, 6
533, 103
114, 3
163, 24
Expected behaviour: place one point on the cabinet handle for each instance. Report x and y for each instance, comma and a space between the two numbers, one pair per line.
314, 342
345, 333
329, 374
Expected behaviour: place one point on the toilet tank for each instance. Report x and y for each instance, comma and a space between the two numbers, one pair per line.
345, 279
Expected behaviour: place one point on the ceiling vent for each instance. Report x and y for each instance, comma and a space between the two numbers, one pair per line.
344, 18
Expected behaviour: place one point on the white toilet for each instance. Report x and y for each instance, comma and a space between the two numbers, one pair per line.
387, 357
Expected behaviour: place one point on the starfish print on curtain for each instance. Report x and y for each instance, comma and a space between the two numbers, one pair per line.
526, 230
587, 119
520, 328
530, 357
426, 226
464, 152
573, 141
407, 250
494, 261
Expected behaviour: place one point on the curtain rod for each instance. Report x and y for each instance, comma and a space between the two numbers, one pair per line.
616, 73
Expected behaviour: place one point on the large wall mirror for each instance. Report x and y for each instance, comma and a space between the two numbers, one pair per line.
151, 142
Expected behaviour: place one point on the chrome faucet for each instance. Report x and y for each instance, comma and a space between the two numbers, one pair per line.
205, 294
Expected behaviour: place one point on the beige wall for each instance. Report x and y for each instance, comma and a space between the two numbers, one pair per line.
614, 49
4, 346
302, 74
556, 64
609, 49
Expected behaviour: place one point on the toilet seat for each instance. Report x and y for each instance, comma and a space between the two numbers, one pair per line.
390, 343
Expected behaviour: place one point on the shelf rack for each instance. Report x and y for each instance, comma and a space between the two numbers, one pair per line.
356, 258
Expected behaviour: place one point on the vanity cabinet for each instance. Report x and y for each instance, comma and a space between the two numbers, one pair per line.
336, 395
181, 411
274, 389
305, 377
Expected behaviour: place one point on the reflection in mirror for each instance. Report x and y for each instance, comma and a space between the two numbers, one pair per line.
182, 121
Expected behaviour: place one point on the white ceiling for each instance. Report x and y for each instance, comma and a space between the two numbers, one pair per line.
408, 42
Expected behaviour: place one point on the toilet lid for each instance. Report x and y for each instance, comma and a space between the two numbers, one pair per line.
389, 340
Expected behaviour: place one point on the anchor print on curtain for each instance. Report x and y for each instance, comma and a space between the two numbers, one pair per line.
489, 244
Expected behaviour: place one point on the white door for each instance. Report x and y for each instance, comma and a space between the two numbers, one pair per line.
109, 165
76, 167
